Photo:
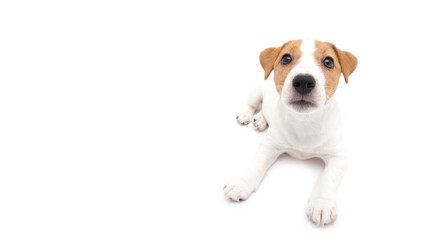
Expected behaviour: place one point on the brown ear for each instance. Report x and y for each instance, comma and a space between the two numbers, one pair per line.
348, 63
267, 59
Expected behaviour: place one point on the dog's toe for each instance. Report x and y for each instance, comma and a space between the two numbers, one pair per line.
260, 122
321, 212
260, 125
238, 190
244, 118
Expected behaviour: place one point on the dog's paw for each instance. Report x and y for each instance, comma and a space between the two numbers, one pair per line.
239, 189
259, 122
322, 211
246, 116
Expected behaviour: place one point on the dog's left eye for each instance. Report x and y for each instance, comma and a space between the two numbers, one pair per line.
328, 62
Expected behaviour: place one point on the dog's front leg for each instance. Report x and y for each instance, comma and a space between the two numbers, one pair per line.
321, 207
241, 187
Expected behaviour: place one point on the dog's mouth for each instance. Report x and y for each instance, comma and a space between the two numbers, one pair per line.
302, 105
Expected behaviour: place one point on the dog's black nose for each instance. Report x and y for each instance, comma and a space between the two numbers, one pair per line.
303, 84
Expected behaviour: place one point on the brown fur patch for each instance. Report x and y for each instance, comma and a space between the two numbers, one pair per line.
344, 62
270, 60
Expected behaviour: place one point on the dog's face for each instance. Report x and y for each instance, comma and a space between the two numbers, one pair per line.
307, 72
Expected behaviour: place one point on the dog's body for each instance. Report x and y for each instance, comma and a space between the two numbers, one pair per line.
302, 116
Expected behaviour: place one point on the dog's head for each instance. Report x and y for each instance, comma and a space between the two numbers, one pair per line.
307, 72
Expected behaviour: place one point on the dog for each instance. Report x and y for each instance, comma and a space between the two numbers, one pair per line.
302, 117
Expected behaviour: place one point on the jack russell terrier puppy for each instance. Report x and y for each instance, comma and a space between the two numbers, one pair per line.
303, 119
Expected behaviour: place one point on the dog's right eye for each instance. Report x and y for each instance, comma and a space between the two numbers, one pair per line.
286, 59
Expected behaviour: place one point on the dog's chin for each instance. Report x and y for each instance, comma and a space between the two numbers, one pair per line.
302, 106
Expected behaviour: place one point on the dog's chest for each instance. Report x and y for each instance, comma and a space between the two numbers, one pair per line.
304, 136
307, 145
299, 142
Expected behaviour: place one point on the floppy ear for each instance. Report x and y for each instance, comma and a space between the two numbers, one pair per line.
267, 59
348, 63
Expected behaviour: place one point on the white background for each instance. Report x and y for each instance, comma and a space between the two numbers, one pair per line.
117, 119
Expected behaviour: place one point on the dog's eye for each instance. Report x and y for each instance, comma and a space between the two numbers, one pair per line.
328, 62
286, 59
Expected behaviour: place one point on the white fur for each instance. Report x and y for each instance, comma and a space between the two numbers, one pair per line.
260, 122
303, 135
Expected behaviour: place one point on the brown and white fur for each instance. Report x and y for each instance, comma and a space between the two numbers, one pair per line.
303, 125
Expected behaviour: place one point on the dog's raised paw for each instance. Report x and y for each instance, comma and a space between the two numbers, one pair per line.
246, 116
321, 211
260, 122
238, 189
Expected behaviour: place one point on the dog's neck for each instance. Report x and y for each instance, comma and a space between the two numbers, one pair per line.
308, 129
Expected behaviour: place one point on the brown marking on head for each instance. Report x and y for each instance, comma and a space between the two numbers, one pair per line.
344, 62
270, 60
